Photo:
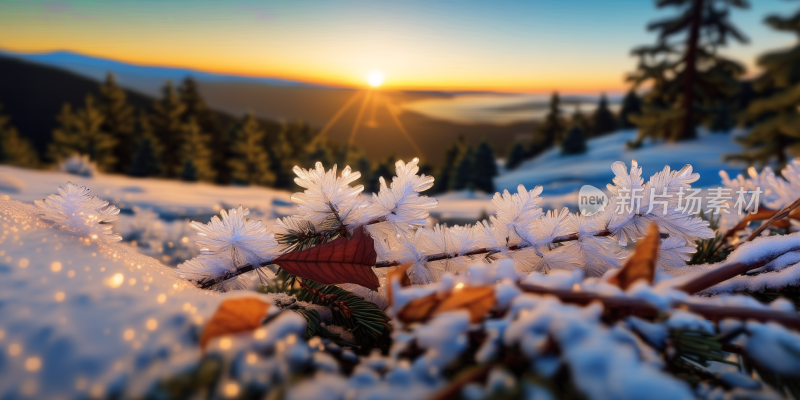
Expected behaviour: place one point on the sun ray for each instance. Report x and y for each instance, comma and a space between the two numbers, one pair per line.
336, 117
357, 123
403, 129
372, 123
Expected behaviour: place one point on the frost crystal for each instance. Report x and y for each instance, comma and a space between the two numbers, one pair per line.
520, 229
75, 210
401, 203
327, 196
243, 241
516, 212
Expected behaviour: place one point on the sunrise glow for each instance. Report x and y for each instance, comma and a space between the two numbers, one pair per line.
375, 79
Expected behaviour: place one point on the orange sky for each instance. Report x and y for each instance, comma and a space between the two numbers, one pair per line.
518, 46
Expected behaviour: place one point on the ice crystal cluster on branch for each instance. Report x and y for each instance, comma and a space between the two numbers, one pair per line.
227, 244
539, 241
74, 209
395, 218
776, 191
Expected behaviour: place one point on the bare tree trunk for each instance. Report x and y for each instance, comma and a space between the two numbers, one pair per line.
687, 128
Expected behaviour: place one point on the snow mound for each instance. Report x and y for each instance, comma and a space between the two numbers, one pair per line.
79, 165
11, 184
85, 318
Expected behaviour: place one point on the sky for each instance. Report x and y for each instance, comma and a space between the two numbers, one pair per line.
527, 46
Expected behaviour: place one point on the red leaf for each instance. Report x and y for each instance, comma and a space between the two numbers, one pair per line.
340, 261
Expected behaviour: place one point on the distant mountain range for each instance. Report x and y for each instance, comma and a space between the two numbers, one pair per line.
33, 88
33, 94
144, 78
149, 79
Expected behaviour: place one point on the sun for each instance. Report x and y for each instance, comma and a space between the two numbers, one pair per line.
375, 78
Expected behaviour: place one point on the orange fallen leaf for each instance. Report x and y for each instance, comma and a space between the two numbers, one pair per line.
478, 300
234, 316
419, 310
398, 274
642, 264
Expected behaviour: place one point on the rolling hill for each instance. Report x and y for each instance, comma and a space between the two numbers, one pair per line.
33, 93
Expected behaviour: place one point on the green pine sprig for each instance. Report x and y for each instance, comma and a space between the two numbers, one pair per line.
710, 250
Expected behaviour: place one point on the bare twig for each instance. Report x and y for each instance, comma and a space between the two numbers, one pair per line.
725, 272
454, 388
620, 307
205, 284
481, 251
779, 215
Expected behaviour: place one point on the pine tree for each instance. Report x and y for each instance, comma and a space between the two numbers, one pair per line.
146, 157
196, 106
300, 135
195, 154
720, 118
169, 129
446, 173
320, 151
281, 161
551, 131
118, 120
207, 120
65, 139
604, 121
465, 171
250, 163
81, 132
575, 140
383, 169
515, 156
687, 77
579, 120
484, 168
775, 117
14, 149
631, 105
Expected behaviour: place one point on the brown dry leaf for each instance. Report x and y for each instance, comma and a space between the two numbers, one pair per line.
762, 214
234, 316
478, 300
419, 310
642, 264
398, 274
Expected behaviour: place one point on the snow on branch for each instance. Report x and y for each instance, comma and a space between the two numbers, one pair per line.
536, 240
540, 241
228, 244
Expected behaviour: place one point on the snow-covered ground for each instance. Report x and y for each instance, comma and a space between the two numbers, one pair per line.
62, 331
81, 317
171, 199
562, 176
170, 204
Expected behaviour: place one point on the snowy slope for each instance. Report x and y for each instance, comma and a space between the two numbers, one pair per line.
560, 176
566, 174
78, 319
174, 202
171, 199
